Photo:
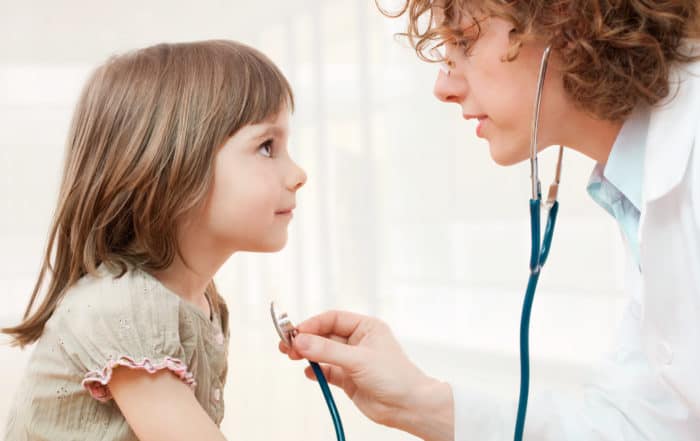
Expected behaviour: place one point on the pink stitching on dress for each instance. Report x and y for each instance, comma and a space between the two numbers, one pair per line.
97, 382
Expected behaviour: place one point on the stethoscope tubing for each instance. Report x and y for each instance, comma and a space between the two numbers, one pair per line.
330, 402
538, 257
539, 251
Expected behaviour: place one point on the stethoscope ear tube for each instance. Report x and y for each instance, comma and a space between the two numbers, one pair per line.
549, 232
534, 175
539, 251
535, 235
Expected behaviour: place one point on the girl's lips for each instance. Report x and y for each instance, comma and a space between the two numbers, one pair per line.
286, 210
480, 127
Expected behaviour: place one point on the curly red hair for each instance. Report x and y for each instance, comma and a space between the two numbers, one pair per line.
614, 54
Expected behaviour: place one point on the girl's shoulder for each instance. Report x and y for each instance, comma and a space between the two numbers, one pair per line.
133, 306
112, 310
134, 294
107, 320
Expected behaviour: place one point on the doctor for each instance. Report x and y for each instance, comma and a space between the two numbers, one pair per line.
623, 87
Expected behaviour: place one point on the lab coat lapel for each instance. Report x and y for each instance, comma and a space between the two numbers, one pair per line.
672, 126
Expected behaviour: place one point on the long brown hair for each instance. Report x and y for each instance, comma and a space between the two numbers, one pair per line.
614, 55
139, 158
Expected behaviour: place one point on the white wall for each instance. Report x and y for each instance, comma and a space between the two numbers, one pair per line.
404, 215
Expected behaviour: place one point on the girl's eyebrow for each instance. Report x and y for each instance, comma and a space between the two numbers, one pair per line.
269, 131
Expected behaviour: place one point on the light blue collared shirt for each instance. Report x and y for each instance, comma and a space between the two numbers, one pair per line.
617, 185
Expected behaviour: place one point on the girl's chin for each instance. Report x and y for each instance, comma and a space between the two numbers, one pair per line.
272, 246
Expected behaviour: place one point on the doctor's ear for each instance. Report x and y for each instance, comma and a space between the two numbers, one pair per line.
516, 42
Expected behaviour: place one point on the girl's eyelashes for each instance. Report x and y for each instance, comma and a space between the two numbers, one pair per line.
266, 149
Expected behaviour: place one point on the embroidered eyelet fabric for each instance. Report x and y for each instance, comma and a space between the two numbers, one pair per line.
105, 323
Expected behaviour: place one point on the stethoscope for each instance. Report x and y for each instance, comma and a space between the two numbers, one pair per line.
538, 251
538, 255
287, 331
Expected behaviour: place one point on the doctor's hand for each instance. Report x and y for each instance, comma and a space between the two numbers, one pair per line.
360, 355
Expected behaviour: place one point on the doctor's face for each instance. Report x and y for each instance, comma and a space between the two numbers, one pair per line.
498, 93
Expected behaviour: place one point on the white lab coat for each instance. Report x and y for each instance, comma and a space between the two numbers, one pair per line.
649, 386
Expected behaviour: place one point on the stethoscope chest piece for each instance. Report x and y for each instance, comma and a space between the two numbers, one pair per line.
287, 331
283, 325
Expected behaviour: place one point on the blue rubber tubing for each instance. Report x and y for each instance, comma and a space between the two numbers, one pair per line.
337, 423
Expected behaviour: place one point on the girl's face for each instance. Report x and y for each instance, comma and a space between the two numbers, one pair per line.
255, 185
500, 94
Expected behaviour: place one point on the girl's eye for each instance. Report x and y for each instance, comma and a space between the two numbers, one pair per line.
265, 148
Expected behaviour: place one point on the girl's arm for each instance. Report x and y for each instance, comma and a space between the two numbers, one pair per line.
160, 407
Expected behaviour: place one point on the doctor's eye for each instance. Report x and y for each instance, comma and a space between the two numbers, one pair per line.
266, 149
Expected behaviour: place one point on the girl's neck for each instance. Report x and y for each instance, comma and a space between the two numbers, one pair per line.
187, 281
191, 272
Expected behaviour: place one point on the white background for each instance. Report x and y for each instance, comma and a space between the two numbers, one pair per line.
404, 215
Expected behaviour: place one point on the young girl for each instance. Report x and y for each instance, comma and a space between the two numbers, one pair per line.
176, 159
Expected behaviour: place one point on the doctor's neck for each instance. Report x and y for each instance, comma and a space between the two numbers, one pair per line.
590, 136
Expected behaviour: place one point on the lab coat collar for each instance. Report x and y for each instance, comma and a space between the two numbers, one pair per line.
625, 166
672, 128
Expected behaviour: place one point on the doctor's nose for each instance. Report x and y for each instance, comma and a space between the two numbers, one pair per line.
448, 88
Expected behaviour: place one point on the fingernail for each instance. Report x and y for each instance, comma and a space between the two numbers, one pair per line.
302, 342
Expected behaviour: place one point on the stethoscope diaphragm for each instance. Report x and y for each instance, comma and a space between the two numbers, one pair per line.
283, 325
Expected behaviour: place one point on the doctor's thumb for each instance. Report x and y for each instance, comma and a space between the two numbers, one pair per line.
323, 350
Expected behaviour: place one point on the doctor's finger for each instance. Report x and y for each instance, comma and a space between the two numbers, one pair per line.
323, 350
284, 348
294, 355
334, 375
337, 338
291, 353
341, 323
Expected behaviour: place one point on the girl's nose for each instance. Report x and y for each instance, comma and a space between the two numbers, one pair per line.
448, 88
297, 178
